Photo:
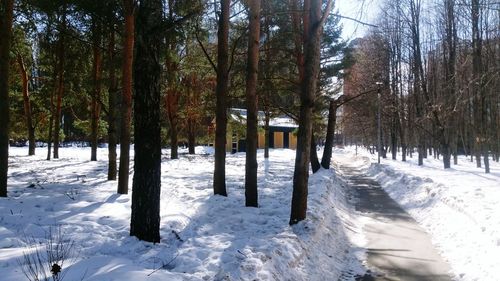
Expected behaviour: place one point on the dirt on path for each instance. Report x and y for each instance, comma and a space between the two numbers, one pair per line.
397, 247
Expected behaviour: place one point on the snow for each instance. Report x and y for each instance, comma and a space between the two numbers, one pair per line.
203, 237
240, 115
458, 207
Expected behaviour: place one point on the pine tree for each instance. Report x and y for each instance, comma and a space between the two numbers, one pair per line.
6, 11
145, 219
251, 197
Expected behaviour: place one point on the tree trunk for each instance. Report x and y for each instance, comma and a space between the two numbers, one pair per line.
312, 46
315, 165
95, 106
6, 13
330, 135
60, 84
221, 102
174, 141
455, 148
421, 152
191, 135
126, 107
394, 140
112, 101
173, 91
384, 145
266, 134
49, 137
251, 195
27, 106
476, 75
446, 151
172, 108
51, 121
403, 152
145, 219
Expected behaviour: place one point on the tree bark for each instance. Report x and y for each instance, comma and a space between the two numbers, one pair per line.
126, 107
330, 135
6, 14
478, 92
60, 84
173, 91
174, 141
312, 46
191, 136
251, 195
112, 101
222, 90
172, 104
145, 219
446, 151
394, 140
267, 136
315, 165
95, 106
417, 73
27, 105
51, 121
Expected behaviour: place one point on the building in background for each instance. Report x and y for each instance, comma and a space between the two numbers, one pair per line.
282, 131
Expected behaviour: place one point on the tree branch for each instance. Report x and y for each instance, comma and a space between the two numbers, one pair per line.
205, 52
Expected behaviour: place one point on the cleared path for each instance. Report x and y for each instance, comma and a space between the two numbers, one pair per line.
397, 247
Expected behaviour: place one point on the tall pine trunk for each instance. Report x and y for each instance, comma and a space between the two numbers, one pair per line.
313, 154
330, 135
173, 91
112, 101
221, 93
51, 121
126, 107
191, 135
312, 47
172, 108
60, 84
27, 105
145, 219
6, 13
251, 195
95, 106
267, 136
174, 139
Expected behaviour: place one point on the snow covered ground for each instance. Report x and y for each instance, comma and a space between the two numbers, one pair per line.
458, 207
204, 237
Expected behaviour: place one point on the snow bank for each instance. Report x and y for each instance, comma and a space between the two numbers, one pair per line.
458, 207
204, 237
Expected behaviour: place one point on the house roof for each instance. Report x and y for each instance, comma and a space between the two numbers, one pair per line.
240, 114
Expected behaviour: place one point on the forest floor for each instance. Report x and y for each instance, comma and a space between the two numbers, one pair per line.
204, 237
207, 237
458, 207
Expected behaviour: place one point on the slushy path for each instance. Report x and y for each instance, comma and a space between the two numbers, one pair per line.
397, 247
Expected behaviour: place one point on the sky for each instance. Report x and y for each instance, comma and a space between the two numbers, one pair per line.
363, 10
